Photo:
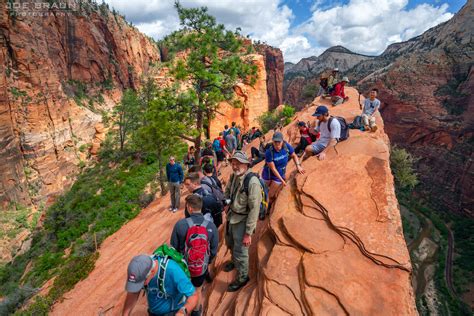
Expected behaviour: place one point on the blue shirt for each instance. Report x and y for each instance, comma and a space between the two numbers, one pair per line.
174, 173
280, 159
178, 287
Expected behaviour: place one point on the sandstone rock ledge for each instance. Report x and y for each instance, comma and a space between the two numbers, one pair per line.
332, 246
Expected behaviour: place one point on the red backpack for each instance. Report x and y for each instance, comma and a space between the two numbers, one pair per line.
197, 249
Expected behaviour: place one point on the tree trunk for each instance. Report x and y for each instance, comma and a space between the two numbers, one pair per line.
199, 124
161, 176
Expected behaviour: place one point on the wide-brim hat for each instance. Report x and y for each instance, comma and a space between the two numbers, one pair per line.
241, 157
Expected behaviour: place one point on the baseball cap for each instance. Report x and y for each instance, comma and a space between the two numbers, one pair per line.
137, 272
277, 137
301, 123
321, 110
241, 156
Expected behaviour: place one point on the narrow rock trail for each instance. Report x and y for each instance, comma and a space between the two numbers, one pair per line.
333, 244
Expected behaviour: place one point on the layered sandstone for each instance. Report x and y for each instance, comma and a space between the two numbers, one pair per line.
274, 67
60, 73
333, 244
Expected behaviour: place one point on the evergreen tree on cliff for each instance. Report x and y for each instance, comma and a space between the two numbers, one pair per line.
216, 60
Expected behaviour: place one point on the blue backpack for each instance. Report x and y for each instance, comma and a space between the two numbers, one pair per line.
216, 145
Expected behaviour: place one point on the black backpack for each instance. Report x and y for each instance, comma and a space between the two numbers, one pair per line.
215, 190
344, 127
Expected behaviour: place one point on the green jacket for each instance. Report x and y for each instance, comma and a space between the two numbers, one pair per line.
244, 207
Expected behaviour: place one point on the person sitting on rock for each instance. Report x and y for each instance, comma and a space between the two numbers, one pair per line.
323, 86
258, 154
369, 109
277, 157
182, 237
179, 298
337, 95
189, 159
328, 135
333, 80
306, 138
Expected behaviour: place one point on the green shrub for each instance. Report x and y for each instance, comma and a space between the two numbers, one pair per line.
401, 163
310, 91
270, 120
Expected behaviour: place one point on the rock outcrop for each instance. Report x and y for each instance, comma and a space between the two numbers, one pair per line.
333, 244
307, 70
426, 89
60, 74
274, 67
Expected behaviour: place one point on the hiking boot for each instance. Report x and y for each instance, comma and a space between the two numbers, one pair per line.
373, 129
229, 266
237, 285
197, 313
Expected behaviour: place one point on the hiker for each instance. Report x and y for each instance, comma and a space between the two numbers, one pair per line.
371, 106
197, 239
231, 142
306, 138
337, 95
323, 86
208, 152
174, 174
179, 295
226, 131
209, 177
333, 80
218, 145
258, 154
277, 157
242, 214
189, 159
328, 135
237, 134
211, 208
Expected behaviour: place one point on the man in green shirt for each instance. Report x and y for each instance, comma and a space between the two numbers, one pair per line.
242, 216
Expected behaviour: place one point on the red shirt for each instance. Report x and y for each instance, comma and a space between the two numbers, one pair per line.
305, 134
338, 90
222, 141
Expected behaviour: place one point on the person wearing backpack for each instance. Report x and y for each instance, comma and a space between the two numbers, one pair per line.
211, 208
219, 150
277, 157
242, 215
176, 295
197, 239
330, 133
174, 175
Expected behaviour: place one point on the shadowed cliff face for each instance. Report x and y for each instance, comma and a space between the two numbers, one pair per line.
59, 74
426, 89
333, 244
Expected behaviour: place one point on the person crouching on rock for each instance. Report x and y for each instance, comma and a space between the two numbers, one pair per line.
242, 215
277, 157
338, 96
328, 134
179, 297
369, 109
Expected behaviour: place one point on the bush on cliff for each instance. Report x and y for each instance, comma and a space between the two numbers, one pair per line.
269, 120
401, 163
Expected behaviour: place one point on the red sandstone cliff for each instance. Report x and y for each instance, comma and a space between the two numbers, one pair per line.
274, 67
333, 244
48, 63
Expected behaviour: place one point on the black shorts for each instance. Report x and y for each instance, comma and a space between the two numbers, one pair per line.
199, 281
220, 155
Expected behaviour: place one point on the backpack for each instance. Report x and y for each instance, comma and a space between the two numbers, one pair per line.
344, 127
197, 249
216, 145
215, 190
161, 256
264, 191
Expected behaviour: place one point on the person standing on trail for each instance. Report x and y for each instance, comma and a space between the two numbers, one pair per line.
237, 134
337, 95
231, 142
277, 157
179, 298
174, 174
189, 159
328, 134
197, 239
369, 109
242, 216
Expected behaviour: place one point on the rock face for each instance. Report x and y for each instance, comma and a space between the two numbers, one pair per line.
307, 71
274, 67
60, 73
333, 244
426, 89
254, 102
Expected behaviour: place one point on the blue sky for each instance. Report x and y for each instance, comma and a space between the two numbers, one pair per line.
303, 28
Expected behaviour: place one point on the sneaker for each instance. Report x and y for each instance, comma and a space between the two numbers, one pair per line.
374, 129
237, 285
171, 208
174, 210
229, 266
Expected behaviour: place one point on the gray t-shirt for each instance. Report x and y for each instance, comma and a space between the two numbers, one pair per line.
370, 106
327, 135
231, 142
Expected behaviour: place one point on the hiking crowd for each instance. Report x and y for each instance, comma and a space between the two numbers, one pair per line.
174, 275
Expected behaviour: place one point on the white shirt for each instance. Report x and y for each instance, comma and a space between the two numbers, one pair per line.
327, 135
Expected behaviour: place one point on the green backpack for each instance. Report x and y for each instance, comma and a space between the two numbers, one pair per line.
166, 250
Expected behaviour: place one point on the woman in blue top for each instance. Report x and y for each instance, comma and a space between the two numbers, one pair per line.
276, 158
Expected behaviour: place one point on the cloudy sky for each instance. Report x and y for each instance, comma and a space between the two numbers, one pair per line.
303, 28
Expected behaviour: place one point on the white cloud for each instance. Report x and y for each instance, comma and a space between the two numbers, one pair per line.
364, 26
369, 26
